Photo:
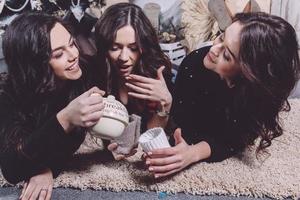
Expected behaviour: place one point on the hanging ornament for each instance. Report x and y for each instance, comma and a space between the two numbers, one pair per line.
2, 3
36, 5
95, 9
15, 6
60, 13
77, 10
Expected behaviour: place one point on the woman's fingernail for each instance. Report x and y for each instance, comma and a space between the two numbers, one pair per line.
148, 162
149, 153
150, 168
156, 176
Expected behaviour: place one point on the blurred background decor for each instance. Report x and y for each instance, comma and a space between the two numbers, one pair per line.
182, 25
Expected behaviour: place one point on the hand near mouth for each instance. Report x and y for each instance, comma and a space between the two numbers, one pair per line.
149, 88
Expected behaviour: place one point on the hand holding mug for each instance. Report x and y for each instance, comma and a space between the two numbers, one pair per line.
113, 121
83, 111
169, 160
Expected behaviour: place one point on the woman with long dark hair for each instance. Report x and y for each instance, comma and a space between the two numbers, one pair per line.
138, 72
229, 94
45, 104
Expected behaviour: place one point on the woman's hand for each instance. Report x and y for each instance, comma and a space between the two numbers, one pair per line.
38, 187
150, 89
167, 161
84, 111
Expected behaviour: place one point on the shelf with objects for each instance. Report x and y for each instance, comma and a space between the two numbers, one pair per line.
166, 19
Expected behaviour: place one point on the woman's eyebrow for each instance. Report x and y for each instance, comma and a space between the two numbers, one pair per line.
116, 43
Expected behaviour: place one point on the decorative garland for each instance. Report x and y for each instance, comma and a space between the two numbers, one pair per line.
77, 10
17, 9
36, 4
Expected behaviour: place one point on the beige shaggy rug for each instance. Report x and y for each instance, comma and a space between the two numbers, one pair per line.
275, 176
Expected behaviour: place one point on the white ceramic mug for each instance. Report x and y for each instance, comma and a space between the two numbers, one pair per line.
154, 138
114, 120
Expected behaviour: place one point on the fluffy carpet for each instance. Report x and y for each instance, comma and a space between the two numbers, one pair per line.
276, 175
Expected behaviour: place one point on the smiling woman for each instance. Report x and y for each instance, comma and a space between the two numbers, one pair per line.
223, 55
65, 56
46, 104
231, 93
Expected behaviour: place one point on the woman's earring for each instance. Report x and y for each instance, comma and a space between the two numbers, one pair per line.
230, 83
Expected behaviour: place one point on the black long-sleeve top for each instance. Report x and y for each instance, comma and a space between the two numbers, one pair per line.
203, 109
31, 138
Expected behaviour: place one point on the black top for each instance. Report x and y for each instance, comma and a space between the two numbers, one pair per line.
34, 126
202, 107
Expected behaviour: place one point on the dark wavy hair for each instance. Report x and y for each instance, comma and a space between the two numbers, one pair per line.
31, 83
270, 69
152, 57
27, 52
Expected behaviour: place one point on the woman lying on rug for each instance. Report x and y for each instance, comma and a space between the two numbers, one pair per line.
46, 104
231, 93
139, 73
